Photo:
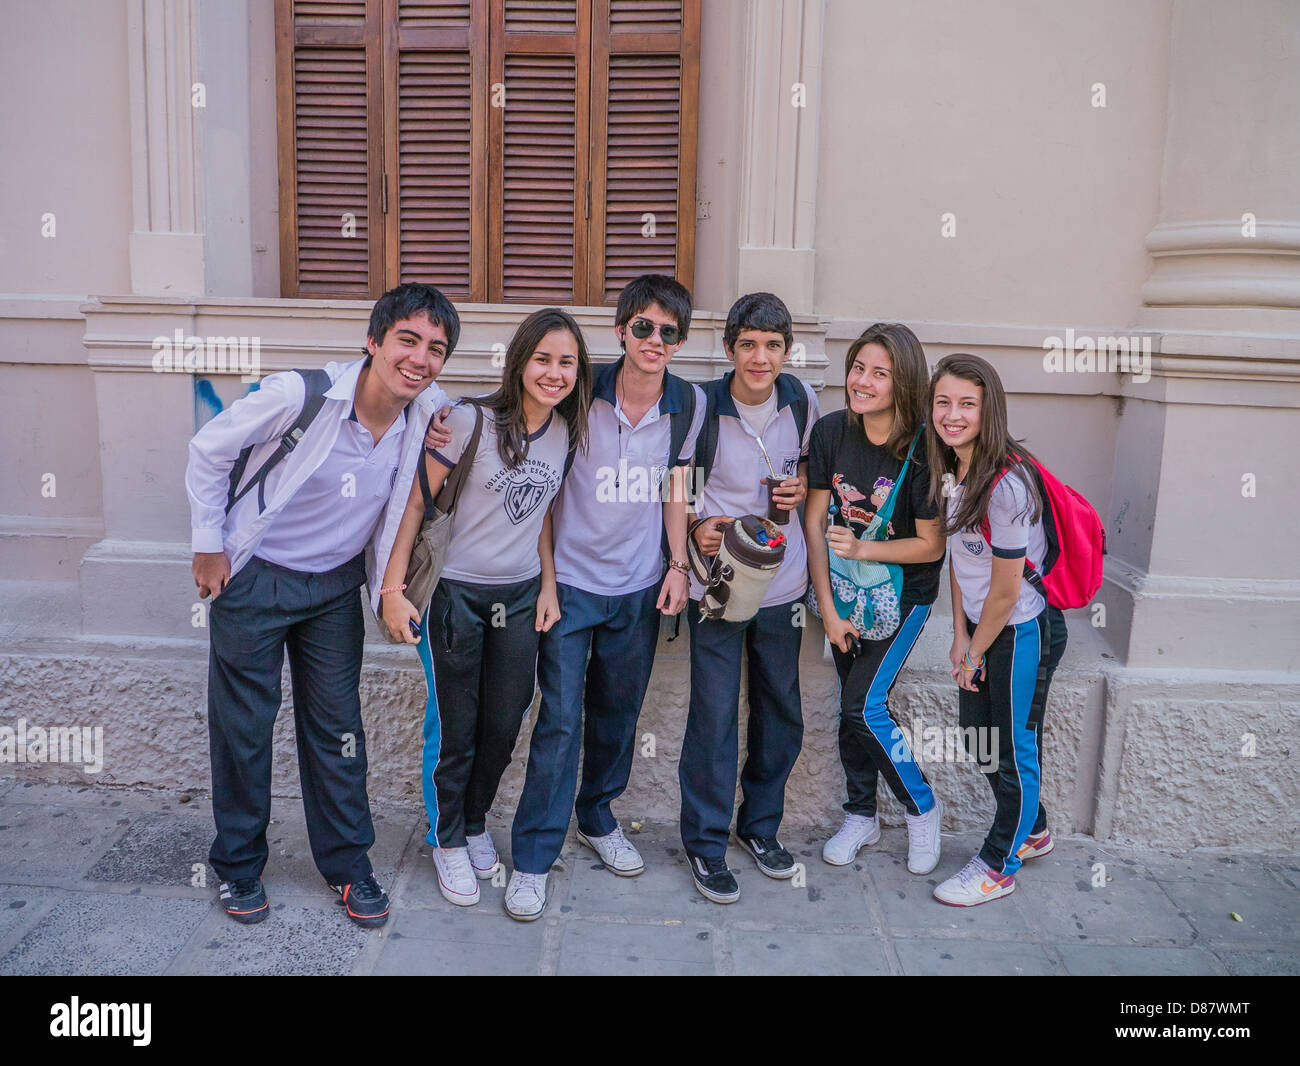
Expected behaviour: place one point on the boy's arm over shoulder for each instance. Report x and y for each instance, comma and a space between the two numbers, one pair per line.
263, 415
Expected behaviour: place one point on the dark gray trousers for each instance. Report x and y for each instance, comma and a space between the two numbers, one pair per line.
318, 617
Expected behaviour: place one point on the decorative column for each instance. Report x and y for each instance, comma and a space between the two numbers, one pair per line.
779, 179
166, 240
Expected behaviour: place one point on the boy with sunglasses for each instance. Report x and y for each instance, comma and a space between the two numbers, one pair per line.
621, 505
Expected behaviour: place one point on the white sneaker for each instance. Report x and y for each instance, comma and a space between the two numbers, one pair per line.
975, 883
923, 839
456, 876
526, 896
616, 852
482, 855
856, 833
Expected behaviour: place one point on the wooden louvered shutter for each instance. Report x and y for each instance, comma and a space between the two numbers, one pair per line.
435, 144
644, 96
540, 54
328, 102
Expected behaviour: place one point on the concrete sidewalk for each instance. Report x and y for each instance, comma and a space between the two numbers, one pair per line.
99, 881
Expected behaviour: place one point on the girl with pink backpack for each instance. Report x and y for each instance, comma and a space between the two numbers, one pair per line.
1011, 527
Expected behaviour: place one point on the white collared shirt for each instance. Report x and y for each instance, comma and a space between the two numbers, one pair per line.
608, 518
735, 486
261, 418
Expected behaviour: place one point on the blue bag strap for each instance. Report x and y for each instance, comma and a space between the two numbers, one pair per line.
887, 511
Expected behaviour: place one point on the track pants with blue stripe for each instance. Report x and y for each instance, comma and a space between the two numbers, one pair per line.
480, 659
871, 743
1011, 700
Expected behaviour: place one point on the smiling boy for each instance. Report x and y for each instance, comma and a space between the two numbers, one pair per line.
287, 487
757, 425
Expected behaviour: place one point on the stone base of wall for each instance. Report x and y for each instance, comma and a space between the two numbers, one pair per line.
1130, 756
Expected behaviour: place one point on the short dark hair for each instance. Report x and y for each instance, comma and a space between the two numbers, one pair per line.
668, 293
761, 311
408, 300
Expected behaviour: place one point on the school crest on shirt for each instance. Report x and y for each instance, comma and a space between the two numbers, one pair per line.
975, 547
522, 498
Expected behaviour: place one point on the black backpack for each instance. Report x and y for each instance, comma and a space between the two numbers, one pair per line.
318, 383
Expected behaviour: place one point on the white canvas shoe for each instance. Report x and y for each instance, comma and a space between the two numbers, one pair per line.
456, 876
526, 896
857, 832
923, 839
616, 852
482, 855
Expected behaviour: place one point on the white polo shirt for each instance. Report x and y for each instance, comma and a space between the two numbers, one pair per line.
1012, 536
334, 515
608, 518
735, 486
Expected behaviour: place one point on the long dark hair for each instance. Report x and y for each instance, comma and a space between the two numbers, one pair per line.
995, 449
507, 402
908, 373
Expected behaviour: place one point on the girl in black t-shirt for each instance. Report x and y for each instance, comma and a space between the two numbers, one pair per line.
856, 457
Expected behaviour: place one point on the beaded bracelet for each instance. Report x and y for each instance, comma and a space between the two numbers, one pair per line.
392, 588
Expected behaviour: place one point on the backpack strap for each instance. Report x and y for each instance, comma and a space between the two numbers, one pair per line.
451, 487
1030, 574
706, 444
798, 403
317, 383
684, 397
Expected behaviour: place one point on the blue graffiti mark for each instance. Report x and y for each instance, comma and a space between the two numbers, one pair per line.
207, 404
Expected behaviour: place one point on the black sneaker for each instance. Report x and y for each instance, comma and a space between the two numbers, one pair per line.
771, 857
365, 902
713, 879
245, 900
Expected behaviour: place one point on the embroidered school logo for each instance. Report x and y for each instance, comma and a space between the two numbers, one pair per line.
975, 547
790, 466
523, 498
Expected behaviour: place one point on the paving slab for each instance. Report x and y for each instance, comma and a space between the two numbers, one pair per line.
1262, 963
297, 939
106, 934
1270, 912
1110, 960
435, 944
159, 848
21, 907
800, 954
988, 958
659, 949
1128, 905
823, 897
49, 843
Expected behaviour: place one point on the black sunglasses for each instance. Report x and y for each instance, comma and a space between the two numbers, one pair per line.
643, 328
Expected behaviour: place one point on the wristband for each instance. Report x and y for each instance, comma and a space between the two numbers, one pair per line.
678, 564
969, 666
392, 588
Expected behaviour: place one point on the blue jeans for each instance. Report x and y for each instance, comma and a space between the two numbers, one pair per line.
620, 633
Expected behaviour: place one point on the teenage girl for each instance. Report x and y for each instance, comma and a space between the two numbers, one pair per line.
855, 458
1003, 629
494, 597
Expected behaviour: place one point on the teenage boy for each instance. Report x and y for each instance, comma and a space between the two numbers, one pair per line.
754, 409
287, 488
621, 503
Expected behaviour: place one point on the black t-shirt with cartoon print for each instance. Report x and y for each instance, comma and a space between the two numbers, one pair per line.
859, 476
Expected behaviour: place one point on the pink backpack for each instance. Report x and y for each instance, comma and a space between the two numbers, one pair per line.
1076, 541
